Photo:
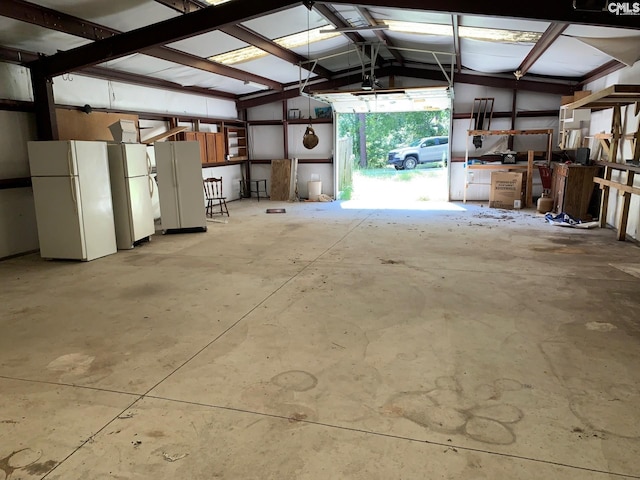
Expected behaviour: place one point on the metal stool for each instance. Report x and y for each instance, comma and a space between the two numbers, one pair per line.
254, 187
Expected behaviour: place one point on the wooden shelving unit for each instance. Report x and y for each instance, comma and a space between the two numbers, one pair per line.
236, 142
625, 190
615, 97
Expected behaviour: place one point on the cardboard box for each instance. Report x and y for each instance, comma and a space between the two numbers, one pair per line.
506, 189
124, 131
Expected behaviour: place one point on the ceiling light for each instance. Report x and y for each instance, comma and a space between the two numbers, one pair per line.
290, 41
356, 29
217, 2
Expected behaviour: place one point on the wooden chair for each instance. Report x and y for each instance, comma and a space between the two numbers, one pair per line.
216, 202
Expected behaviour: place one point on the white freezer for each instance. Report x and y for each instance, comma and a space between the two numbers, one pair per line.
131, 189
180, 185
72, 196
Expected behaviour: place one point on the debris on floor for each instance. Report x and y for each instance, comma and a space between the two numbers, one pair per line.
276, 210
173, 457
566, 220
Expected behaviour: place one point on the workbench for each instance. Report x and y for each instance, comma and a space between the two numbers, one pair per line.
528, 167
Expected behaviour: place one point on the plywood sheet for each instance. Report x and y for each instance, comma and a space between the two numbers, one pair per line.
77, 125
280, 179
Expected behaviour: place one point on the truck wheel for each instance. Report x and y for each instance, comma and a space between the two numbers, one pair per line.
410, 163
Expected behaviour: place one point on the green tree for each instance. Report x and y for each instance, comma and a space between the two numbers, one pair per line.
386, 131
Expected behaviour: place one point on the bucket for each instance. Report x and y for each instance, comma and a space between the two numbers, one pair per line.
315, 189
545, 204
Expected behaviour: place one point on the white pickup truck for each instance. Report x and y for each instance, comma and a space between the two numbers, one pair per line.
425, 150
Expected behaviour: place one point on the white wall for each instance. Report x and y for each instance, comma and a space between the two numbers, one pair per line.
78, 90
266, 142
601, 122
324, 171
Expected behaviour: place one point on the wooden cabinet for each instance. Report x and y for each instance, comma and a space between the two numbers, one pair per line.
215, 147
572, 187
212, 145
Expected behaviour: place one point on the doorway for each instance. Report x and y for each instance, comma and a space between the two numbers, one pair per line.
393, 158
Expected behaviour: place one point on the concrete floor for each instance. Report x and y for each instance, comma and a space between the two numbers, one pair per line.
328, 343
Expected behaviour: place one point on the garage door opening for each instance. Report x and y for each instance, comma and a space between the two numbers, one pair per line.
401, 157
393, 145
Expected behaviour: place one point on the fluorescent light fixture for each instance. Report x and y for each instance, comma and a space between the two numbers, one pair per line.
475, 33
290, 41
356, 29
217, 2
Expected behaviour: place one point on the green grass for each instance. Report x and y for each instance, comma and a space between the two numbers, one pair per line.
346, 193
401, 175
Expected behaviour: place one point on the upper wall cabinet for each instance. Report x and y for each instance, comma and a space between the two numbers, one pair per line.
212, 146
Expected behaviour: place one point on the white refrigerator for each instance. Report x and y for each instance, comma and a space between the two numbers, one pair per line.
131, 190
72, 196
180, 185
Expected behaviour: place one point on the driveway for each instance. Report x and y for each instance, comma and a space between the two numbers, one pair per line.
397, 186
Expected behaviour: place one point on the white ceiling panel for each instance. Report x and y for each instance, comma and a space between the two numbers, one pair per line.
492, 57
209, 44
190, 77
422, 42
186, 76
600, 32
140, 64
121, 15
569, 57
502, 23
285, 23
35, 39
273, 68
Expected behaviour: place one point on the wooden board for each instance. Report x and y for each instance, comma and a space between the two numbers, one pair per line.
280, 179
162, 136
77, 125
